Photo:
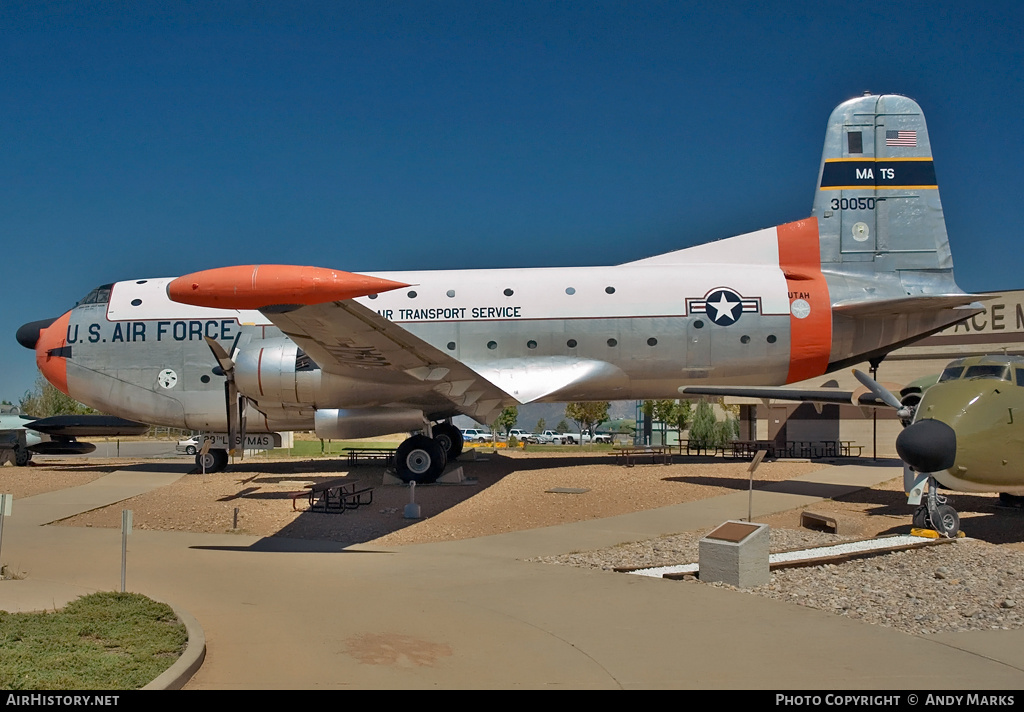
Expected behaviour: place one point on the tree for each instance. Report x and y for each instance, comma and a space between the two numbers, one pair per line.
702, 432
562, 427
45, 400
541, 426
682, 415
506, 420
587, 415
726, 431
648, 411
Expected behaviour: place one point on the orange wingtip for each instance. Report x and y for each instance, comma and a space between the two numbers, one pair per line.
258, 286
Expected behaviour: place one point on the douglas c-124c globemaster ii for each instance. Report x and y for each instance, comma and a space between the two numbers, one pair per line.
355, 355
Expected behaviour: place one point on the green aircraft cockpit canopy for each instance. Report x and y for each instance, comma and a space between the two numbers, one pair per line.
1003, 368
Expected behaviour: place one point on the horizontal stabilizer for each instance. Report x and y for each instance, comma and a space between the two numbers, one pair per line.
806, 395
888, 307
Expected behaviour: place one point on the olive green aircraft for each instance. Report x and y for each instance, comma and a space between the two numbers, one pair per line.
965, 433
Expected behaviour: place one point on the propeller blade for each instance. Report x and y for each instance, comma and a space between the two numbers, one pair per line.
243, 405
880, 391
223, 359
230, 393
231, 405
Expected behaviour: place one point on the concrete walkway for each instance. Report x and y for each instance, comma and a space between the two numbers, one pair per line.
285, 613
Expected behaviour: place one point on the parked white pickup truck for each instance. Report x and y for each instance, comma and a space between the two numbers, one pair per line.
573, 438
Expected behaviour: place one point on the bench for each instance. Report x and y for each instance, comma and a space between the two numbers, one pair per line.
335, 496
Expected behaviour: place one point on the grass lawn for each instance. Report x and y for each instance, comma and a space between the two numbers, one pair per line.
103, 641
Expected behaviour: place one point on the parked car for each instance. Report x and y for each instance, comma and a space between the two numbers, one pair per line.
189, 446
552, 437
523, 436
472, 435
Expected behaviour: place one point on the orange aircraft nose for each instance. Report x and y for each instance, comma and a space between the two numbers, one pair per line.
50, 355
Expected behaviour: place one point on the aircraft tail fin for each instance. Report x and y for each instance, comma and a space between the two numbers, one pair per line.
877, 198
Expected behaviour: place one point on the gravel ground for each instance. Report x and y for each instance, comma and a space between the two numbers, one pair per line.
965, 585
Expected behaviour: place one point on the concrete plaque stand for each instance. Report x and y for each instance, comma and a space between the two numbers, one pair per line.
735, 553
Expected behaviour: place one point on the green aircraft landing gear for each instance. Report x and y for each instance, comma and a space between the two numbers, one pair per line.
942, 517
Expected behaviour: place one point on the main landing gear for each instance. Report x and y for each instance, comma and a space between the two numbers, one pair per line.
422, 458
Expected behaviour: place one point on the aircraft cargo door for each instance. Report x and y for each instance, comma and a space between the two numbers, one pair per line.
698, 348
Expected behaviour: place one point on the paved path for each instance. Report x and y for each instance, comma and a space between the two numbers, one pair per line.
285, 613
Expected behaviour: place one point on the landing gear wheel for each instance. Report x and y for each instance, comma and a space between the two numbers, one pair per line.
419, 459
946, 521
22, 457
921, 520
450, 439
214, 460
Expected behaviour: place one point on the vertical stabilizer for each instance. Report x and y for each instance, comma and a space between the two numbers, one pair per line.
877, 201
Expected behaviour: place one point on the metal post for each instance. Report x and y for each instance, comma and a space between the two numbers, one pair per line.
750, 496
126, 528
5, 511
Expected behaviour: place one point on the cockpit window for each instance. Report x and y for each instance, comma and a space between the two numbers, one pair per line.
951, 374
988, 371
100, 295
1019, 372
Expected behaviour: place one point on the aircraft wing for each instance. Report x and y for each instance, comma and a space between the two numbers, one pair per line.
806, 395
74, 426
346, 338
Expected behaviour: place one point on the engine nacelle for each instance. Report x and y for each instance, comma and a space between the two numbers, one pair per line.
341, 424
274, 370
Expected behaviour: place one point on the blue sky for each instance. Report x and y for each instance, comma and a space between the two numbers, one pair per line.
156, 139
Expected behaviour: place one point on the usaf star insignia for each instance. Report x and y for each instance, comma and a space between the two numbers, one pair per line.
723, 306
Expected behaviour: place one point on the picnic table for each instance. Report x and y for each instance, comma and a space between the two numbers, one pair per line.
846, 448
627, 455
355, 454
335, 496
